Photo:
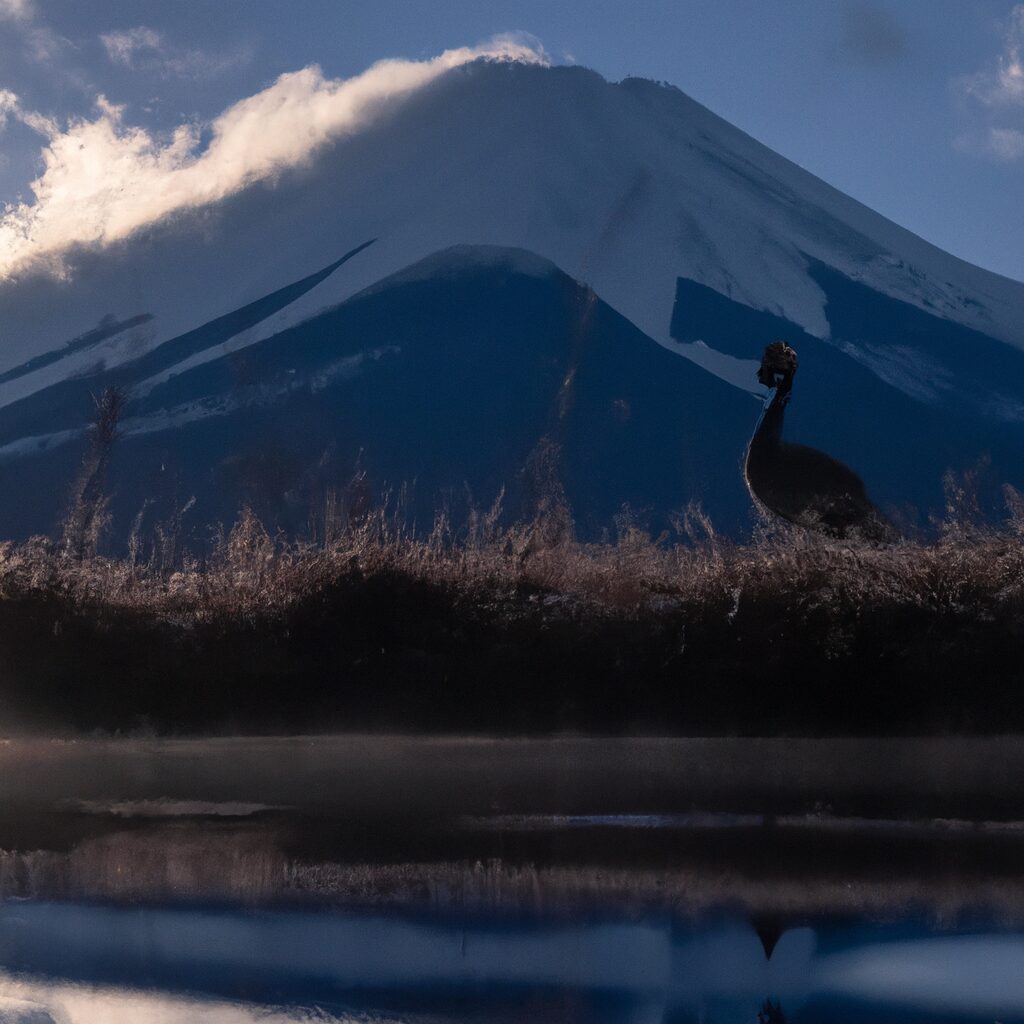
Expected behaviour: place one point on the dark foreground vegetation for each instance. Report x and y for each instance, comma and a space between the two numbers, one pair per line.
520, 630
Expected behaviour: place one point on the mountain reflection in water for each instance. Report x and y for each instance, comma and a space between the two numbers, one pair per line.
451, 880
86, 964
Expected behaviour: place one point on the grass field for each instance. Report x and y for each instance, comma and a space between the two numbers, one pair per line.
520, 629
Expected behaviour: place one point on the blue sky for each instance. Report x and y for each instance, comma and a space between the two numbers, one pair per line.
915, 108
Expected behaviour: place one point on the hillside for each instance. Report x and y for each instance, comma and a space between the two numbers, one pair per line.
560, 264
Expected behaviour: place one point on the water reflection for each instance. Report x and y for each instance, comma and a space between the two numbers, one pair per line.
130, 874
86, 964
770, 1013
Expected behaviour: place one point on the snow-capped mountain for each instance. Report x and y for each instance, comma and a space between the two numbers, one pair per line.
553, 256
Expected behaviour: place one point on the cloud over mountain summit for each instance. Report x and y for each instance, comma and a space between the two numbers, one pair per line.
104, 178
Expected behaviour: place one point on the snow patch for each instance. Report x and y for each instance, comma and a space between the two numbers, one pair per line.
210, 406
907, 369
740, 373
625, 187
25, 447
349, 367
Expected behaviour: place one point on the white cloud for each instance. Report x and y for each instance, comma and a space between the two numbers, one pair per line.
1006, 143
993, 99
104, 179
124, 47
8, 105
1003, 85
16, 10
145, 49
39, 42
45, 46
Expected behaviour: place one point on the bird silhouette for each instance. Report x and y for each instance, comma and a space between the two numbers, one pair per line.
800, 484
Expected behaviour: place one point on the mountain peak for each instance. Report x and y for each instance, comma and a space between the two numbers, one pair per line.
696, 236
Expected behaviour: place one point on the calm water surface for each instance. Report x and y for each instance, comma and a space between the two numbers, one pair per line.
443, 880
85, 963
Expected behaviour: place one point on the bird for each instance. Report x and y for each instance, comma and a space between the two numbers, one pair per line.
800, 484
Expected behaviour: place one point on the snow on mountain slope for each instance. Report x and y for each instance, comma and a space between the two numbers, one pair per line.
478, 370
627, 187
442, 383
537, 231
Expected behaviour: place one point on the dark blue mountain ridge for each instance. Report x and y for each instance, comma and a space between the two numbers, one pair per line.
443, 383
661, 226
901, 444
443, 379
60, 406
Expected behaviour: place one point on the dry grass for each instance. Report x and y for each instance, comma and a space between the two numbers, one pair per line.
373, 626
241, 866
967, 570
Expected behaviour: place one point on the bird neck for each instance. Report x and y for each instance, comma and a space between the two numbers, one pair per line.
768, 431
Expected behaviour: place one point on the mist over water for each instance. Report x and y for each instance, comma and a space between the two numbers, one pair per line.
390, 878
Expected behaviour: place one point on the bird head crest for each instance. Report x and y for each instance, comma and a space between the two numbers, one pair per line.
778, 364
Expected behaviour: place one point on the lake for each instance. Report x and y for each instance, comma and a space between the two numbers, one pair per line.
381, 878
